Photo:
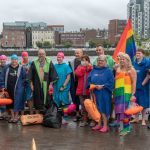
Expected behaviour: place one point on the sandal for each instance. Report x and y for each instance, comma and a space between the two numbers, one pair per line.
104, 130
10, 120
134, 121
97, 127
1, 118
15, 120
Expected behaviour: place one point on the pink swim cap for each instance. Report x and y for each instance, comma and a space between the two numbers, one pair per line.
24, 54
4, 57
61, 54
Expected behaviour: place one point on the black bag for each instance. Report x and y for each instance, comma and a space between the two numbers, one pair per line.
53, 116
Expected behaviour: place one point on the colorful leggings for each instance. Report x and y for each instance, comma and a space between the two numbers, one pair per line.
65, 111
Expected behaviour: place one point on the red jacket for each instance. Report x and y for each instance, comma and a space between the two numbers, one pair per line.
82, 73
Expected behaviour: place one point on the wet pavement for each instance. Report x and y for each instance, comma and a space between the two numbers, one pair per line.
71, 137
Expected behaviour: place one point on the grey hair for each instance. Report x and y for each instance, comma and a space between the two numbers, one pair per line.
102, 57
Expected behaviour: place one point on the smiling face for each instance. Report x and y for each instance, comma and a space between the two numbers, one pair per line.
41, 54
25, 58
59, 59
101, 62
3, 62
14, 62
99, 50
78, 53
123, 62
139, 55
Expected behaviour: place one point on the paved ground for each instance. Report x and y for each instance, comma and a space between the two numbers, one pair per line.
71, 137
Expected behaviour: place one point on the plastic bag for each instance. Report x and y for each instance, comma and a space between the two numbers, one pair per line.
53, 116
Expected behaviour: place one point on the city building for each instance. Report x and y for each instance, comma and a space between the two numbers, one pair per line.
42, 35
18, 34
139, 13
77, 39
13, 35
115, 29
58, 28
84, 36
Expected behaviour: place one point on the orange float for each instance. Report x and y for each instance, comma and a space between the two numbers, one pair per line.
31, 119
5, 101
134, 109
92, 86
92, 110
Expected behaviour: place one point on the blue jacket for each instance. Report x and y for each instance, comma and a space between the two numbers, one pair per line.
141, 69
19, 87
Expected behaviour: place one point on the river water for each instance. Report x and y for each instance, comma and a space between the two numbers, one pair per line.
54, 58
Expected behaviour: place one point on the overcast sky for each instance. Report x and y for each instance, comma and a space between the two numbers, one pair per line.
74, 14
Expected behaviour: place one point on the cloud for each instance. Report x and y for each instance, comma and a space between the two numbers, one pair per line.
73, 14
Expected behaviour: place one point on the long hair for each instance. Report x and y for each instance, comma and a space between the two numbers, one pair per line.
129, 63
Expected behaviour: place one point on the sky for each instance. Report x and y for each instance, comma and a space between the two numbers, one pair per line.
74, 14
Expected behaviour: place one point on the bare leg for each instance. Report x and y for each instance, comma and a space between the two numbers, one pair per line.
143, 117
105, 120
30, 105
12, 114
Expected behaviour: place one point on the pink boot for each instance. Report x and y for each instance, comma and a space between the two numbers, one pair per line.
104, 130
97, 127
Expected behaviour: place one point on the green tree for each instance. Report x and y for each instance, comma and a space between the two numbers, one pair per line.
92, 44
106, 44
67, 44
47, 44
39, 44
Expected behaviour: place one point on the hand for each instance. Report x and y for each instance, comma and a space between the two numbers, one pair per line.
32, 87
3, 90
61, 89
99, 87
51, 89
133, 98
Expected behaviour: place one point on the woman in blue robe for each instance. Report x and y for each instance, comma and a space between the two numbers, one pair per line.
13, 80
141, 65
102, 77
62, 85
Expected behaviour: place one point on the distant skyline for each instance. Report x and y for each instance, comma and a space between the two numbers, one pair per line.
73, 14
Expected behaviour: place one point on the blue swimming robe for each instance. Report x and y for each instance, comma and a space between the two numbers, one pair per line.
102, 76
62, 97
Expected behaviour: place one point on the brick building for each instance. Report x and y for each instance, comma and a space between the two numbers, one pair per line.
115, 29
84, 36
13, 35
76, 38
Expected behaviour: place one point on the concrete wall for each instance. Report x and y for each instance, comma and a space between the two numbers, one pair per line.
49, 53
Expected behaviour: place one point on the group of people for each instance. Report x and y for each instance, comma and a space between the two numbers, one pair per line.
117, 84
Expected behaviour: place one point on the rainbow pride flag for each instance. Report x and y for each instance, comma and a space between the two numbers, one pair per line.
126, 43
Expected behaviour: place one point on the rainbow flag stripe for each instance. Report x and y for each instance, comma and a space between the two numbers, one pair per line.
126, 43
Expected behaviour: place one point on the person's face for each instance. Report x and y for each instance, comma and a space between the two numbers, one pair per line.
99, 51
101, 63
41, 55
78, 54
14, 62
84, 62
123, 62
139, 55
3, 62
25, 58
59, 59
